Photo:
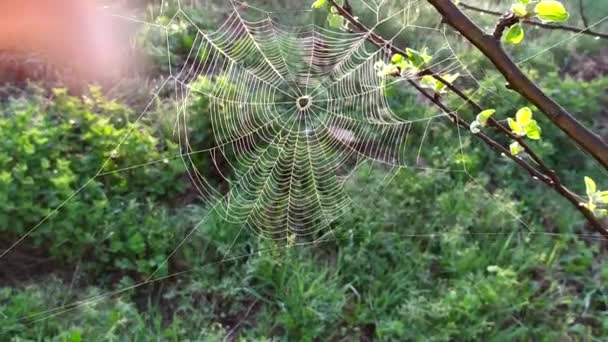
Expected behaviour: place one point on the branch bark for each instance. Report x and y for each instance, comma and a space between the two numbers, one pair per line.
581, 8
544, 173
518, 81
586, 30
549, 180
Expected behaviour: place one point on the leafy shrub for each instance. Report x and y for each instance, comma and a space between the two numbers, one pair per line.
52, 154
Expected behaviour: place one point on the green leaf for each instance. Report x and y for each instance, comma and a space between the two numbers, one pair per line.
515, 34
404, 65
450, 78
397, 58
484, 116
524, 116
319, 3
400, 61
590, 186
76, 336
335, 20
591, 206
519, 9
515, 127
533, 130
523, 125
515, 148
551, 10
602, 197
136, 243
418, 58
428, 81
383, 70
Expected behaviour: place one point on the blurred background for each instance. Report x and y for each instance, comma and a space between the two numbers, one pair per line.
461, 246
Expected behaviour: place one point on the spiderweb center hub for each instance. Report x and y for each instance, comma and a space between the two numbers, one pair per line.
303, 102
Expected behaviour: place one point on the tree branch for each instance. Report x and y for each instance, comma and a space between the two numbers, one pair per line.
581, 9
519, 82
535, 174
501, 128
586, 30
504, 22
546, 175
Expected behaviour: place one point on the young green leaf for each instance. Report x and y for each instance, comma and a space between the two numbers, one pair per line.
602, 197
397, 58
515, 34
450, 78
590, 187
524, 116
551, 10
533, 130
515, 148
591, 206
418, 58
319, 3
595, 199
515, 127
428, 81
400, 61
335, 20
484, 116
383, 69
519, 9
523, 125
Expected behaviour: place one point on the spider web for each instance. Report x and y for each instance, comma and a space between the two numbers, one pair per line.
294, 110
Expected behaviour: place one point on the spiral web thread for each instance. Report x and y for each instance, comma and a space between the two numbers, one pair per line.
288, 159
293, 110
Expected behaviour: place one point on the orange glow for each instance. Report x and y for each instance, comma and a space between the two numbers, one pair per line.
75, 34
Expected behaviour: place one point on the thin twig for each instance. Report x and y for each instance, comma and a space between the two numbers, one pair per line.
586, 30
381, 43
521, 83
546, 175
582, 12
500, 127
534, 173
504, 22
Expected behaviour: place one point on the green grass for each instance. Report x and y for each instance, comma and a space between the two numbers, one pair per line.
421, 254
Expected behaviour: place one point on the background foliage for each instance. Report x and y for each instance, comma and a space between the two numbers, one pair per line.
423, 254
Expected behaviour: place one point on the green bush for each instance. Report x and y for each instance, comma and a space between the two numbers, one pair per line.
461, 246
52, 157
